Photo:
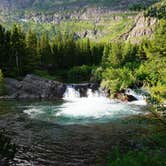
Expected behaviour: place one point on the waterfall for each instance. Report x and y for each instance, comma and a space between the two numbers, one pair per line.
73, 93
141, 99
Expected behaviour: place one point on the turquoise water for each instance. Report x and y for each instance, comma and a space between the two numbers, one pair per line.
73, 109
81, 111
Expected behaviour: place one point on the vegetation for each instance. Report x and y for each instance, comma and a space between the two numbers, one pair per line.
58, 53
127, 65
141, 5
2, 88
138, 158
26, 53
54, 4
80, 73
151, 146
66, 58
118, 65
158, 10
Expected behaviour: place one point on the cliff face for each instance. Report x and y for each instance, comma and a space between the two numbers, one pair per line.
143, 27
85, 14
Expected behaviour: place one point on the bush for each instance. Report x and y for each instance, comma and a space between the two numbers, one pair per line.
2, 87
136, 7
97, 74
133, 158
44, 74
158, 10
80, 73
118, 79
159, 93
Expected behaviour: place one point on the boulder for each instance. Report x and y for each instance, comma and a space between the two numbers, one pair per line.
93, 86
12, 85
125, 97
34, 87
83, 88
131, 98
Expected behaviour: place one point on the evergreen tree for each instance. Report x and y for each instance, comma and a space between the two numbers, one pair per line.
115, 55
2, 89
45, 51
18, 51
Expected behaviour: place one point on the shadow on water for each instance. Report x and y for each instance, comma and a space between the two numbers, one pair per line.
44, 142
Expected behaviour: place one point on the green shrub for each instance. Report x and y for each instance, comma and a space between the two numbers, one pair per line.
135, 158
2, 87
80, 73
97, 74
44, 74
118, 79
159, 92
158, 10
137, 7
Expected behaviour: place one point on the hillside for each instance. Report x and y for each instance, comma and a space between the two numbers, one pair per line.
101, 20
53, 5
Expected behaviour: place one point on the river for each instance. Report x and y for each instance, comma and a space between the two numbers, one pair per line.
74, 131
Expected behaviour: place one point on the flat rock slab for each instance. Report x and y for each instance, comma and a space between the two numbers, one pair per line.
34, 87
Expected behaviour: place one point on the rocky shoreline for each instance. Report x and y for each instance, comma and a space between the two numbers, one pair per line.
35, 87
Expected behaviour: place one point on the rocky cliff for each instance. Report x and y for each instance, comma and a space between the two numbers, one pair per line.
143, 27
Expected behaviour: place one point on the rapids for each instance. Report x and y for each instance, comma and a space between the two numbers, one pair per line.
93, 108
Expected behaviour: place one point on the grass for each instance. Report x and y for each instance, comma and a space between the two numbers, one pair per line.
116, 29
44, 74
107, 28
145, 157
151, 150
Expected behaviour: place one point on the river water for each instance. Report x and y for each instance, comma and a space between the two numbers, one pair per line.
71, 132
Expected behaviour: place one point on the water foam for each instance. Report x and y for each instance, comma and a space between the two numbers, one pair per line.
141, 99
32, 112
95, 105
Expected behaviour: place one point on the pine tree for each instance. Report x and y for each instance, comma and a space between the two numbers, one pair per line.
45, 51
18, 51
115, 55
1, 83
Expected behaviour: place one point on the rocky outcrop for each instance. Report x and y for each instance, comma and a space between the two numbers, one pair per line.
125, 97
143, 27
34, 87
83, 88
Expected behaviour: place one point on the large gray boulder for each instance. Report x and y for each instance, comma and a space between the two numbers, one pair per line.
34, 87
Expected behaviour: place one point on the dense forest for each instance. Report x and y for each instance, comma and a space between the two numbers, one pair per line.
23, 53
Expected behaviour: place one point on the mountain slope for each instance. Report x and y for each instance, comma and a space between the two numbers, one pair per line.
55, 4
100, 20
